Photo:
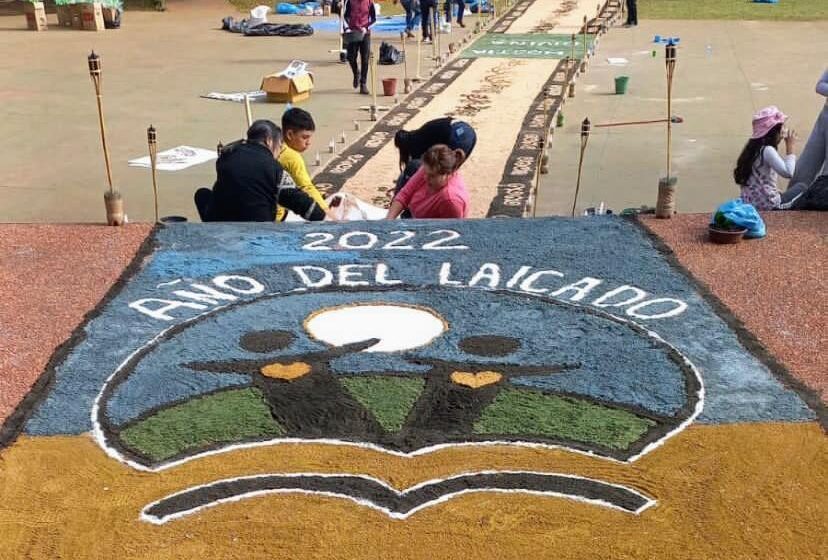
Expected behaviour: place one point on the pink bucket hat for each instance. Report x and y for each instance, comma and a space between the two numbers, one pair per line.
765, 120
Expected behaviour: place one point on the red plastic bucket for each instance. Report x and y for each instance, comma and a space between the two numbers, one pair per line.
389, 87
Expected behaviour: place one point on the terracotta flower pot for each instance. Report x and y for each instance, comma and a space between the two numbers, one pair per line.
389, 87
726, 236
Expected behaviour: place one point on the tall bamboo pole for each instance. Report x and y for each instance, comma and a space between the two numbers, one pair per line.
585, 129
152, 142
405, 59
373, 110
248, 114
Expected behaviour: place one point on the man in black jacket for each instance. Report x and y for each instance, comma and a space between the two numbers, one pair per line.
250, 182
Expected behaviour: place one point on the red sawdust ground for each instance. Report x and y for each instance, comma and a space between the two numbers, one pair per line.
50, 277
776, 286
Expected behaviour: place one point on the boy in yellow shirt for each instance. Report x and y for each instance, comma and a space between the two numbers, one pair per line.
298, 128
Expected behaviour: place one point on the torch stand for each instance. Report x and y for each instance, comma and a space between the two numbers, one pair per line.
665, 202
585, 129
112, 199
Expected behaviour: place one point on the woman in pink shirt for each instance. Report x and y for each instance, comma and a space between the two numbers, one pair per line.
436, 190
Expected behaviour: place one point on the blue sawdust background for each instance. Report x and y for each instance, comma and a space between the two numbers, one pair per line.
739, 387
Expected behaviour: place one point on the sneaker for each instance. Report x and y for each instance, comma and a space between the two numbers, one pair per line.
356, 82
363, 89
427, 41
461, 24
410, 35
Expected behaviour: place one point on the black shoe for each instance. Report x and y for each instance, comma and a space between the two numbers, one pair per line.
356, 82
363, 89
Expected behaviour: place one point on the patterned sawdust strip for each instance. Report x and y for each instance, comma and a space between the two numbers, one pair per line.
344, 167
547, 25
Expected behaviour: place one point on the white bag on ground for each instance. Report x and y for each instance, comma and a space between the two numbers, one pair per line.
346, 207
258, 16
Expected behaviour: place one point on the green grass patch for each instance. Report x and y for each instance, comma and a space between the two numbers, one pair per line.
388, 398
229, 416
519, 412
785, 10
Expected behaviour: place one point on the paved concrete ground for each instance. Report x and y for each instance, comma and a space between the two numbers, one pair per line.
155, 69
751, 65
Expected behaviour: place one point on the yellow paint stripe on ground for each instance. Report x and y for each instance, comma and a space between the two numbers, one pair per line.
555, 16
509, 87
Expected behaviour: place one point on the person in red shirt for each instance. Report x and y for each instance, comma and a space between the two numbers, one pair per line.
359, 16
436, 190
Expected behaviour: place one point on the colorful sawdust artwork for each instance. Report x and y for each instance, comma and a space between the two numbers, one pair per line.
555, 46
260, 391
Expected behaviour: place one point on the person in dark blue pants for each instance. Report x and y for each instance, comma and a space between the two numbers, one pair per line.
412, 16
461, 7
427, 8
632, 13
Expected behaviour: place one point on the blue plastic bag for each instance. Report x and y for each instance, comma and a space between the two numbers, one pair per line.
287, 9
743, 215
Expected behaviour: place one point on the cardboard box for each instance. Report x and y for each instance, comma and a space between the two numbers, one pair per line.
92, 16
291, 85
35, 16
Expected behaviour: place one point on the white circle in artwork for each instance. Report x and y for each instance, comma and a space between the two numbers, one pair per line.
397, 327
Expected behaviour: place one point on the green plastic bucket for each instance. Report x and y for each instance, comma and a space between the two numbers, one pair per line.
621, 84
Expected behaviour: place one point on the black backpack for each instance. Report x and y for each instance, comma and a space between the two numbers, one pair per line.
389, 54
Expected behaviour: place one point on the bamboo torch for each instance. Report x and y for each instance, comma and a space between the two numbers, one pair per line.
585, 129
670, 63
112, 198
665, 202
152, 142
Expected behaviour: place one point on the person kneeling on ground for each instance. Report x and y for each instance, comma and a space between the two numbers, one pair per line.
760, 164
298, 128
436, 190
457, 135
250, 182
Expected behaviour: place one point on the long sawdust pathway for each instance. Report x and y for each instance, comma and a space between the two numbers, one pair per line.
499, 84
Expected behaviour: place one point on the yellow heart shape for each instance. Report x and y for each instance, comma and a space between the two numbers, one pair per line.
287, 372
475, 380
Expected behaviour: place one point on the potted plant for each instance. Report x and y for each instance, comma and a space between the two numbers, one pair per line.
724, 231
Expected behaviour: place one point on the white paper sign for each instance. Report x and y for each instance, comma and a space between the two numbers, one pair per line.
237, 97
177, 159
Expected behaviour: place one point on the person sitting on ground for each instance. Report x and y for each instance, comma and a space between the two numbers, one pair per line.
359, 16
298, 128
250, 182
760, 163
457, 135
812, 161
436, 190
